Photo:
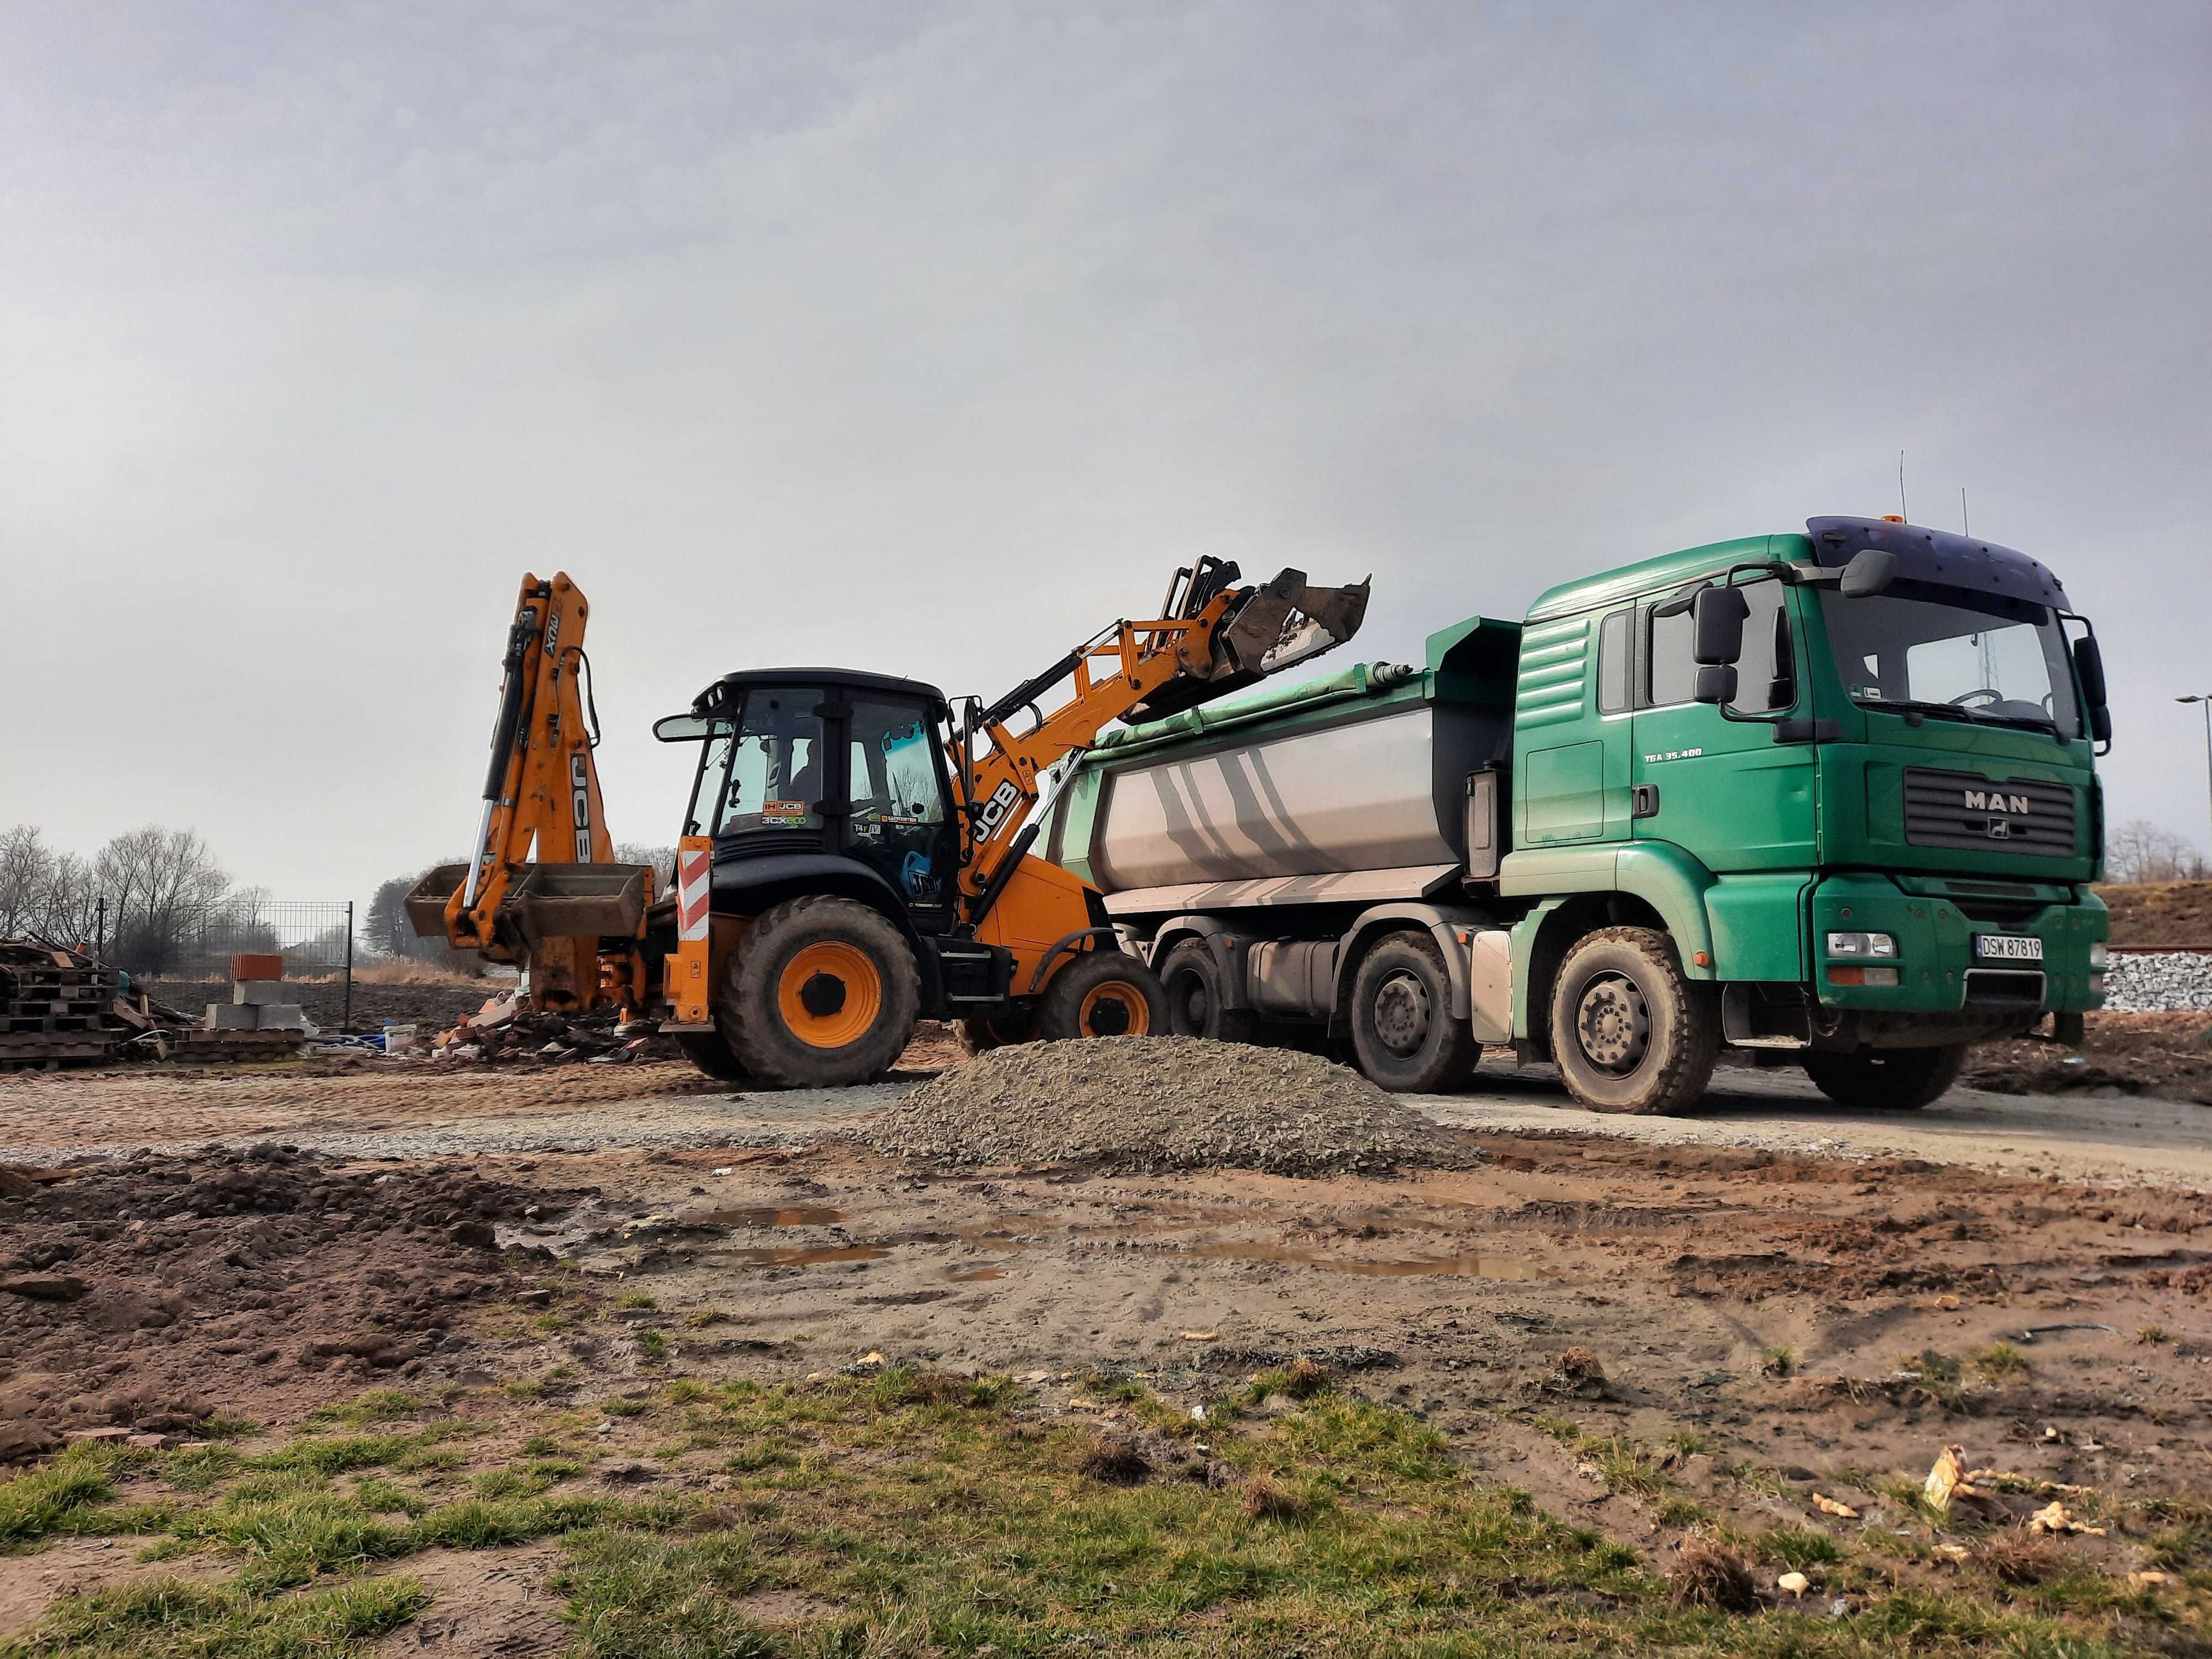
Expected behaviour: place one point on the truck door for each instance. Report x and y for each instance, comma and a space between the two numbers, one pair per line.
1723, 790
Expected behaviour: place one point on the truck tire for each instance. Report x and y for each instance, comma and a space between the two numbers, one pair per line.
979, 1036
1196, 986
1885, 1080
1402, 1028
820, 993
707, 1050
1630, 1032
1102, 993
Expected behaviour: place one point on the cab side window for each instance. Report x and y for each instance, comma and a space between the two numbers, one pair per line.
1767, 672
1613, 663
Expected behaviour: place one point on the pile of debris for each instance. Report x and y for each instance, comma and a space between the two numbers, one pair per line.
506, 1031
54, 1005
1168, 1102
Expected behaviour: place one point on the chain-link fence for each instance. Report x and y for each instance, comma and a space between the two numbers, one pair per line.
196, 942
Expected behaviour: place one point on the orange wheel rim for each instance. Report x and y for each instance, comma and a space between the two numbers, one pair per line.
1119, 1006
829, 994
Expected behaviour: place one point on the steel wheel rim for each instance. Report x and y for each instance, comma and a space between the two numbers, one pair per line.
1189, 1001
1121, 1006
828, 994
1612, 1023
1401, 1013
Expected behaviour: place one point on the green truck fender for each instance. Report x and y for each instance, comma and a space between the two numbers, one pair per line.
1445, 923
1671, 884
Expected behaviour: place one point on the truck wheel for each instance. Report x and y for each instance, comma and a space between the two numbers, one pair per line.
707, 1050
1884, 1080
820, 993
1402, 1028
1194, 983
979, 1036
1102, 993
1630, 1032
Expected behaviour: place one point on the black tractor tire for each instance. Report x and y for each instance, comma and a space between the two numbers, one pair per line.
1102, 993
1630, 1031
707, 1050
820, 993
977, 1036
1402, 1029
1885, 1080
1196, 985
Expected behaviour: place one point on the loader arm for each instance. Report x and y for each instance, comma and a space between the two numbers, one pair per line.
541, 885
1216, 638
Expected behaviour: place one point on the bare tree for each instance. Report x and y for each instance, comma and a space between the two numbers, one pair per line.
154, 881
2139, 850
26, 870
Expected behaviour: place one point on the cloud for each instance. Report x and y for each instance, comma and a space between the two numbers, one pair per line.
930, 337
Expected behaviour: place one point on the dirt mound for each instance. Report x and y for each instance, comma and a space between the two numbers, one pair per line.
2167, 1054
2163, 913
152, 1292
1150, 1103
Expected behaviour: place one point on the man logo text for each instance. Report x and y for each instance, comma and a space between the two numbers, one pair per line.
1995, 800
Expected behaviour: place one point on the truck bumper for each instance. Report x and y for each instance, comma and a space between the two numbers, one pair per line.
1943, 981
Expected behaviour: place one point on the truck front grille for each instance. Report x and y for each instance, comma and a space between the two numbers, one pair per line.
1964, 809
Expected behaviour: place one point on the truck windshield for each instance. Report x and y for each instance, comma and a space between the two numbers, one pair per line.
1974, 657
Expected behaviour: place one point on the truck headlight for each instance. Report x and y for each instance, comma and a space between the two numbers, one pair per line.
2098, 957
1862, 945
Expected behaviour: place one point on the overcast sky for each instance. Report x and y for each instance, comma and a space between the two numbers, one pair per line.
929, 337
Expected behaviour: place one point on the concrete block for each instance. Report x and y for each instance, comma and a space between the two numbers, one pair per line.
231, 1017
261, 991
280, 1017
256, 964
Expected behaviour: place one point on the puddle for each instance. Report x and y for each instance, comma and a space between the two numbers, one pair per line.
974, 1275
765, 1215
1473, 1266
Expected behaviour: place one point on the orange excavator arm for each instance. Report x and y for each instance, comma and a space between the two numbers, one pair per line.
1215, 637
541, 885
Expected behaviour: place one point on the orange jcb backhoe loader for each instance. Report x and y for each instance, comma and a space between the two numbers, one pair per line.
855, 856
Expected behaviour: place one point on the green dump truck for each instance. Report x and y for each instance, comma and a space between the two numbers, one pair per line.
1829, 799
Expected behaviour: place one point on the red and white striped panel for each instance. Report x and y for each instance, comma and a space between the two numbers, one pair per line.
694, 883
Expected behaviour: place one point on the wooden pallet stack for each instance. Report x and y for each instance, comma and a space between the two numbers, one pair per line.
54, 1005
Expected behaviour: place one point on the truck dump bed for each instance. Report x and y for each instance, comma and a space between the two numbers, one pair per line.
1353, 788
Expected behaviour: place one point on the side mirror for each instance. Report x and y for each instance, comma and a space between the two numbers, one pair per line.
1716, 617
2089, 664
1714, 683
1872, 569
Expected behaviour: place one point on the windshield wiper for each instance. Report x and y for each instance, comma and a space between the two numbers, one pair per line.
1954, 712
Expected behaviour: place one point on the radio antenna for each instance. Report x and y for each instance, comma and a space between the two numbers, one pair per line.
1964, 527
1901, 512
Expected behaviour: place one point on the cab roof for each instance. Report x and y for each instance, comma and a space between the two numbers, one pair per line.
850, 679
1936, 556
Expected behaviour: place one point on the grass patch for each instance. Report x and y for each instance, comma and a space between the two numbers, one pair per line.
623, 1406
638, 1299
44, 1501
171, 1618
2000, 1362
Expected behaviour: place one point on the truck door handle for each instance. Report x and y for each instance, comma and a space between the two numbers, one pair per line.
1643, 801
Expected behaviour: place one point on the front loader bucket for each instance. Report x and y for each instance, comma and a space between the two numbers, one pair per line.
576, 900
426, 901
1280, 625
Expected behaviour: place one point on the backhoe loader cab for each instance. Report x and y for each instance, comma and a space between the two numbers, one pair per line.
835, 835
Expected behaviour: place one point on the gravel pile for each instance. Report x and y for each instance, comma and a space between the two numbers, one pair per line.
1153, 1104
2157, 979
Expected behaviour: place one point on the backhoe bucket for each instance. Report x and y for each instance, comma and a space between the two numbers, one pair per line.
576, 901
426, 901
1279, 626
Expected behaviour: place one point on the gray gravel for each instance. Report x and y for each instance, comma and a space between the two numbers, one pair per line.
2154, 981
1150, 1103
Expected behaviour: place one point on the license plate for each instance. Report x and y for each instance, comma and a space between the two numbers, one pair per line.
2008, 947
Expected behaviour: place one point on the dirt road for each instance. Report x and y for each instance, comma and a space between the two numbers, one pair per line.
427, 1111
